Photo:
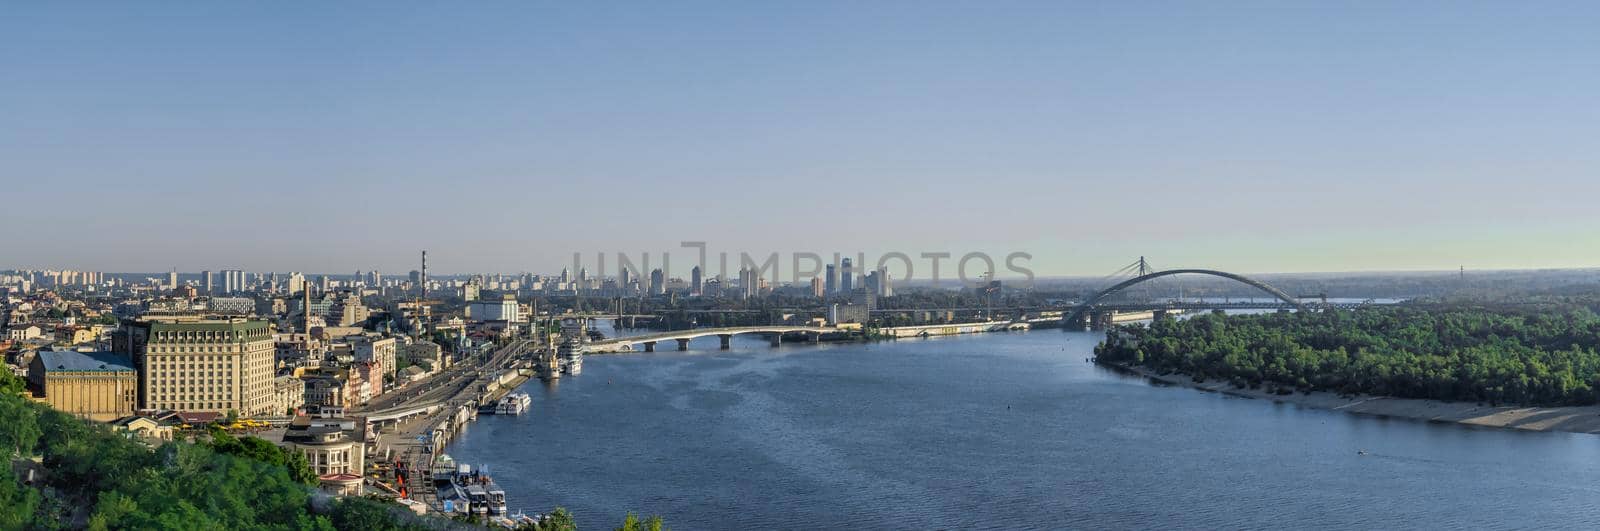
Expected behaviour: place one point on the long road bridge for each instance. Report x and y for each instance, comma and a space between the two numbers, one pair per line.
682, 337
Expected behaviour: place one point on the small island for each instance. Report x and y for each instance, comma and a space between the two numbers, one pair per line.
1527, 366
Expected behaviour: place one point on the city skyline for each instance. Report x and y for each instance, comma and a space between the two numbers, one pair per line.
1284, 138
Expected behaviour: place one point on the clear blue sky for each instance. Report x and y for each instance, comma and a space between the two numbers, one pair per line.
1250, 136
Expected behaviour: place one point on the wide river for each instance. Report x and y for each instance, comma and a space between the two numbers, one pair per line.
1007, 430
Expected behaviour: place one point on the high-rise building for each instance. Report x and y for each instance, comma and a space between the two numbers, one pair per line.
846, 271
816, 287
232, 281
696, 283
747, 282
831, 285
624, 278
658, 282
203, 365
172, 279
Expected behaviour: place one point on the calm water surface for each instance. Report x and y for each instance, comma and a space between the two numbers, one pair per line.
1011, 430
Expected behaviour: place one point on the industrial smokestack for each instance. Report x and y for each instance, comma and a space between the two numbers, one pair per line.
305, 307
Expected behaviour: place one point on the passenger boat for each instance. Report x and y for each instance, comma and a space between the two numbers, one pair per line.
513, 404
443, 472
570, 351
571, 354
475, 493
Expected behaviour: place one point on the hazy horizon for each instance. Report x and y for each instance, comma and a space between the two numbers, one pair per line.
1256, 138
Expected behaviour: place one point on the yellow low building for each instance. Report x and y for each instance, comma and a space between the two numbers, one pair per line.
76, 335
100, 386
144, 428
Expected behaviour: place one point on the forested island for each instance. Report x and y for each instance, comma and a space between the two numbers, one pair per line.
1537, 356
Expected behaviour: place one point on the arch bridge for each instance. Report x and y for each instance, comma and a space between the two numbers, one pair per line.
1089, 304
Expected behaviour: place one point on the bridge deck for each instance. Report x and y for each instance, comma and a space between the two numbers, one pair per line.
704, 332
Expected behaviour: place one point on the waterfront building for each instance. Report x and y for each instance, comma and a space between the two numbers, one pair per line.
847, 313
101, 386
203, 365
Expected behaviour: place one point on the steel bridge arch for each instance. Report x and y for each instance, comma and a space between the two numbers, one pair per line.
1078, 312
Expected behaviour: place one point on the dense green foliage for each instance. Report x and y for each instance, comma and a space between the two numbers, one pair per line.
260, 450
92, 477
633, 523
1532, 356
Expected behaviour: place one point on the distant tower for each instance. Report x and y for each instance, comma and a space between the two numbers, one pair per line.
846, 271
424, 276
305, 310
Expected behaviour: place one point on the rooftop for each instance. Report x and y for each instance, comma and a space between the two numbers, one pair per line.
84, 361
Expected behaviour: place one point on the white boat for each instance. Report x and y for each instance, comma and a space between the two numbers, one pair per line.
444, 470
476, 491
513, 404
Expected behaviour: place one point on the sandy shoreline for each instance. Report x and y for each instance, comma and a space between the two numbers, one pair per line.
1576, 419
